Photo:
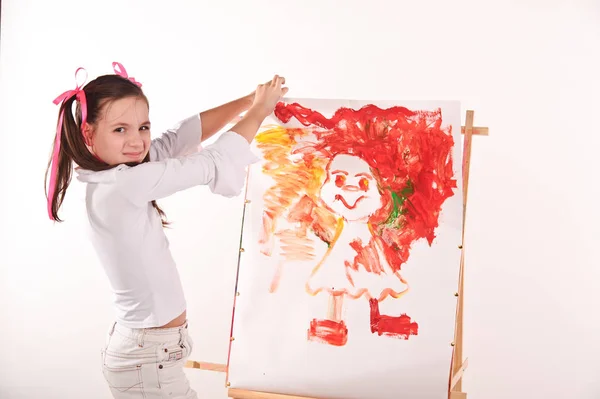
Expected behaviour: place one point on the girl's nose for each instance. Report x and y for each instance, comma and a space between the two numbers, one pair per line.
135, 142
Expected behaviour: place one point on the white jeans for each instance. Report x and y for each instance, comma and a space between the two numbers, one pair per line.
147, 363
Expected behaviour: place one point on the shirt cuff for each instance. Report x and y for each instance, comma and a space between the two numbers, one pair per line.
231, 177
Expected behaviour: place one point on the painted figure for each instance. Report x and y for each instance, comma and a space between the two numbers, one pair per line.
367, 183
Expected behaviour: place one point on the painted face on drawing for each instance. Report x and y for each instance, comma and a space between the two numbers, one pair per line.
122, 133
350, 189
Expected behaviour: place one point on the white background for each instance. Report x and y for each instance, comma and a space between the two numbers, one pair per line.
529, 69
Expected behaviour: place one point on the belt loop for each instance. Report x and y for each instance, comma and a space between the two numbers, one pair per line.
181, 331
141, 338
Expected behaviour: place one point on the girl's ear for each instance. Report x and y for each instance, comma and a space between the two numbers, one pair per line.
87, 132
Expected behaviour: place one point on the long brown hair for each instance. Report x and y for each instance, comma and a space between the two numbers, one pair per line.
99, 93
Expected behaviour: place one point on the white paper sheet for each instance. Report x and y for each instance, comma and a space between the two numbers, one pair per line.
335, 199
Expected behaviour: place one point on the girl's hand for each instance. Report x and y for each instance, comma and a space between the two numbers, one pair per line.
267, 95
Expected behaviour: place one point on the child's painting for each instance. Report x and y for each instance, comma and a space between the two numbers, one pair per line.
350, 259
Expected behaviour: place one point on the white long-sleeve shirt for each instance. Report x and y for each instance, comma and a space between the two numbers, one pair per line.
126, 230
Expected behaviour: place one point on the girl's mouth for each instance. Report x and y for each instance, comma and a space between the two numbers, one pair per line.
133, 154
340, 198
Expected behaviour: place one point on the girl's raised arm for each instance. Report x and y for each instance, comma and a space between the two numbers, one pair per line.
221, 166
181, 140
185, 138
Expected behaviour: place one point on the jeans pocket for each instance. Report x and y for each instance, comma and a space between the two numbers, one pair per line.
130, 370
124, 379
132, 381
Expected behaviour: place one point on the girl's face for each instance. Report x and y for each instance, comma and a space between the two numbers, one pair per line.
350, 189
122, 132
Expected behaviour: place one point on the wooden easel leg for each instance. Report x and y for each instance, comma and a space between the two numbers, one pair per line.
458, 366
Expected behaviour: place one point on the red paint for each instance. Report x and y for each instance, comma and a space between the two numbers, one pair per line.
402, 147
309, 117
346, 204
394, 326
328, 331
366, 256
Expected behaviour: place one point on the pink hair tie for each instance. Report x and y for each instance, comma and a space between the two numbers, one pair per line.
80, 95
121, 71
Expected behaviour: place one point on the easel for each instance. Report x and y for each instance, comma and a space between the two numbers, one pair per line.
458, 366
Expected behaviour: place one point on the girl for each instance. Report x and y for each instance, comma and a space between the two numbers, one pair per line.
108, 139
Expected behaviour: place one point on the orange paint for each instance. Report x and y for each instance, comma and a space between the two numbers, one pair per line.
292, 178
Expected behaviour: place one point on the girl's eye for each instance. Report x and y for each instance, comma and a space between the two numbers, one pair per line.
145, 128
119, 130
340, 180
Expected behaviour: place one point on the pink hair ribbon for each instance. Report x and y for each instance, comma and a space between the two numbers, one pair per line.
121, 71
80, 95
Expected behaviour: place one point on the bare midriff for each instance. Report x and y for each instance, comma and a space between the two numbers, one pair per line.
178, 321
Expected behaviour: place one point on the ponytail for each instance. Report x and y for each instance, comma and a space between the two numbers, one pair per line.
61, 173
